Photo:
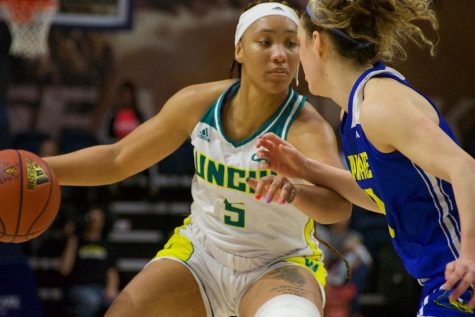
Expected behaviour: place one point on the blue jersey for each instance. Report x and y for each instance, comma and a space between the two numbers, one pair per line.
420, 208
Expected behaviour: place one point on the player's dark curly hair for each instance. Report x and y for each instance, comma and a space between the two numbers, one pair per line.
368, 30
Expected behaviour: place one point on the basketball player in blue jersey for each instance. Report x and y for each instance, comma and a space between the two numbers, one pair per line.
399, 148
234, 255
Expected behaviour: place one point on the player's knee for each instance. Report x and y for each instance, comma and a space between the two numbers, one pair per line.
288, 306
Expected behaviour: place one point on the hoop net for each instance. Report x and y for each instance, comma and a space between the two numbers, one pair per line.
29, 22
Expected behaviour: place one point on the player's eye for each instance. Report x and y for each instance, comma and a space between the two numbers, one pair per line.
265, 43
293, 44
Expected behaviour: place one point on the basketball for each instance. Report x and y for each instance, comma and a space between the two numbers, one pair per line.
29, 196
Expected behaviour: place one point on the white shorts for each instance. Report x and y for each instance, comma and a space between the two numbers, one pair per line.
222, 288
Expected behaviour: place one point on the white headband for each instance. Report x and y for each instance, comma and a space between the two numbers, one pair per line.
262, 10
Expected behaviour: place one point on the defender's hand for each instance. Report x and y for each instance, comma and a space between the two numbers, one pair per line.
280, 156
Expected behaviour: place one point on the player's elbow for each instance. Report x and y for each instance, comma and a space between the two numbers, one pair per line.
119, 163
464, 169
339, 210
469, 162
344, 207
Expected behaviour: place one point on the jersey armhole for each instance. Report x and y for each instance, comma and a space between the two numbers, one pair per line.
293, 115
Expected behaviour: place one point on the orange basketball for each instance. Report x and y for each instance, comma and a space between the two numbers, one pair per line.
29, 196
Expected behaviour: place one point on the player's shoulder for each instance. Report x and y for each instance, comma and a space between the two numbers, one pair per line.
385, 92
309, 117
384, 100
203, 94
314, 136
190, 103
309, 126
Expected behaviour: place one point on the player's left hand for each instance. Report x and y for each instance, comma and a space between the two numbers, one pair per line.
461, 275
274, 188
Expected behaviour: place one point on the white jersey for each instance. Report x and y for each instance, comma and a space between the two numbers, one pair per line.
238, 230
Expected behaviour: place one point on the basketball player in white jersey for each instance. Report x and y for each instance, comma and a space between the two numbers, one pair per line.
235, 254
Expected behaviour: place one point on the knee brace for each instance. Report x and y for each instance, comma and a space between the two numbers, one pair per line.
288, 306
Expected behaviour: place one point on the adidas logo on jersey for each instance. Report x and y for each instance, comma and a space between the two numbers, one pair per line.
203, 134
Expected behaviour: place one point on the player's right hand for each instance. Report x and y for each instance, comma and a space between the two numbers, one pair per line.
280, 156
460, 276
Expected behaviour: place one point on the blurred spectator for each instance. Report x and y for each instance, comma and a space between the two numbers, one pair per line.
125, 115
89, 265
48, 147
350, 244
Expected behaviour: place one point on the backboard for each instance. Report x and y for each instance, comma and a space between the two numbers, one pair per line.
102, 14
95, 14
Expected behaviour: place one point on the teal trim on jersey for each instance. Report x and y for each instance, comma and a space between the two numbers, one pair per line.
209, 117
281, 128
268, 125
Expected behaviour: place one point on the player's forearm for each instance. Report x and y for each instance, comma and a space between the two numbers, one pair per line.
323, 205
338, 180
92, 166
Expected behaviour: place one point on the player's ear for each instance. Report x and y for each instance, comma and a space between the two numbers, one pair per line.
319, 43
238, 53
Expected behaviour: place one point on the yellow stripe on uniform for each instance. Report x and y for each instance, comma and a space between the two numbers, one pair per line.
178, 246
311, 262
392, 233
309, 230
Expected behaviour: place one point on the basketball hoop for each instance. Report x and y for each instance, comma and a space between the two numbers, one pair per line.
29, 22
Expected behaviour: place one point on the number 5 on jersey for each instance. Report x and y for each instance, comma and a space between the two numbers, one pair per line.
235, 215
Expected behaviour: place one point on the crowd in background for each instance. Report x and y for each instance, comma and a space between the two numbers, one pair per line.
79, 235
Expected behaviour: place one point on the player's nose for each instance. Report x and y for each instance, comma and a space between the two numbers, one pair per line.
279, 55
